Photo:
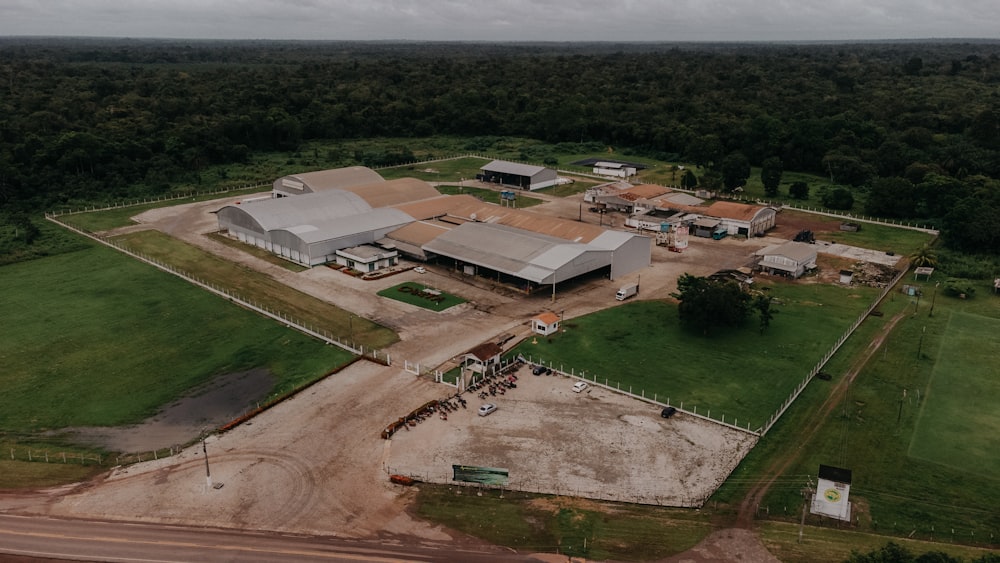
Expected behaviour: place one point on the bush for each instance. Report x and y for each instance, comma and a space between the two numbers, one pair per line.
799, 190
959, 288
838, 198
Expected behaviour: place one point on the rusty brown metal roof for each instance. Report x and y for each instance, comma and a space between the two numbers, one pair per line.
733, 210
469, 208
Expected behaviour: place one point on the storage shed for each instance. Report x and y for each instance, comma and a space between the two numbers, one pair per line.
524, 176
790, 259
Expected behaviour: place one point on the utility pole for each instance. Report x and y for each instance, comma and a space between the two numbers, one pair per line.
933, 298
920, 345
208, 474
807, 493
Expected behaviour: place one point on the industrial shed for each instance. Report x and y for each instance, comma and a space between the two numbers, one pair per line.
310, 228
741, 218
527, 259
524, 176
790, 259
323, 180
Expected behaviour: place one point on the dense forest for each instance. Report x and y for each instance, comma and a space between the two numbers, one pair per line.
915, 125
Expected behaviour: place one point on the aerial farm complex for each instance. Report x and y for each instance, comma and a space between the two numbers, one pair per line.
355, 217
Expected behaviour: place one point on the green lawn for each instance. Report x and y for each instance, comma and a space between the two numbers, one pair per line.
105, 219
95, 338
450, 170
580, 528
256, 287
490, 196
959, 417
417, 294
741, 374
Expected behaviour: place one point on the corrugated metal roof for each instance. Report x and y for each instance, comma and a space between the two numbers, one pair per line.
467, 207
680, 198
374, 220
734, 210
338, 178
646, 191
513, 251
420, 233
394, 192
505, 167
316, 208
798, 251
612, 240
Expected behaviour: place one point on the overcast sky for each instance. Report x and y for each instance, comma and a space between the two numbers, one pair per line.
507, 20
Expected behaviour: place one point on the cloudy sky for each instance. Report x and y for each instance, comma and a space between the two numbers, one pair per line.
507, 20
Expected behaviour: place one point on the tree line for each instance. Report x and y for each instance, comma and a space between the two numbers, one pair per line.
915, 127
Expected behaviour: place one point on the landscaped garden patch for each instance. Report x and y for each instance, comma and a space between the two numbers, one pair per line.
422, 296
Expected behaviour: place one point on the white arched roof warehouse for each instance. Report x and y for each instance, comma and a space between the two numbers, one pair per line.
310, 228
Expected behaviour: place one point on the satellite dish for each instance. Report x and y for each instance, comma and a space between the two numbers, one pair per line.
473, 216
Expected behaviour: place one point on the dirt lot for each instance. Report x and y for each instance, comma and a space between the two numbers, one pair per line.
596, 444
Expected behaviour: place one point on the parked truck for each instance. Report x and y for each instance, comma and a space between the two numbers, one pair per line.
627, 291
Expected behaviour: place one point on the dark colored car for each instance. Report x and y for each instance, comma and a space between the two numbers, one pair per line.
668, 412
538, 370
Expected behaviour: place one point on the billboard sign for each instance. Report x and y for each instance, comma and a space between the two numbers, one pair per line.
832, 493
481, 475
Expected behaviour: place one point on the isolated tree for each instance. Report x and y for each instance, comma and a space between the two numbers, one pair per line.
689, 180
799, 190
770, 175
925, 257
762, 303
735, 170
706, 304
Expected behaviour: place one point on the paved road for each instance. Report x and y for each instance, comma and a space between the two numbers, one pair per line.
86, 540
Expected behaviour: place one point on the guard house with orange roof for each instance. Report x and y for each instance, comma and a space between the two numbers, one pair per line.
545, 324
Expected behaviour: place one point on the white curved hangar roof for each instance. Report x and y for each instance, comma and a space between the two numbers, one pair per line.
281, 213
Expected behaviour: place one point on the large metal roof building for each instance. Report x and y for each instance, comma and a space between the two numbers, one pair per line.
524, 176
513, 246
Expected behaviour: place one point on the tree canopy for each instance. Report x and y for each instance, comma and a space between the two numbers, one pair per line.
707, 304
92, 120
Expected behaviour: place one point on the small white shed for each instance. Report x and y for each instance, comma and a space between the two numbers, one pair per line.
545, 324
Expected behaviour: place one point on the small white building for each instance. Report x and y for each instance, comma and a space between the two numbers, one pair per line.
367, 258
545, 324
614, 169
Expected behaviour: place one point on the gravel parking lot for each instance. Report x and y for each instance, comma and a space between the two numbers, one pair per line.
596, 444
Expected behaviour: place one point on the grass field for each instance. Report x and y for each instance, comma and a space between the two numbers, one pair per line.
740, 373
97, 221
574, 527
260, 288
415, 294
900, 487
103, 340
959, 419
490, 196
